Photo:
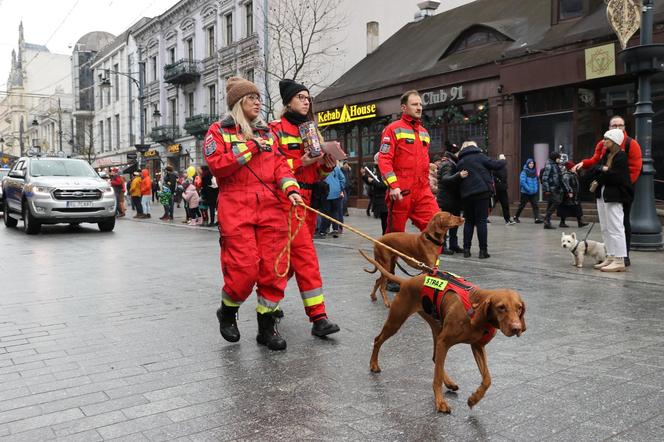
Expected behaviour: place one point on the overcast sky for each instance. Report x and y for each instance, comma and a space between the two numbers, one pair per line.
58, 24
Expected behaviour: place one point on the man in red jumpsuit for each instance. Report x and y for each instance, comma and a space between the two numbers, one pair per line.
252, 218
404, 165
634, 164
307, 170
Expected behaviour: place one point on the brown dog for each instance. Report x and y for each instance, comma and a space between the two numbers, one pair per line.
501, 309
424, 247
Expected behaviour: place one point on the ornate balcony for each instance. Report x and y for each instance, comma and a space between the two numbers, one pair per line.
198, 124
182, 72
165, 134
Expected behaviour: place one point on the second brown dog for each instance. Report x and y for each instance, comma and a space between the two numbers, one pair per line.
425, 247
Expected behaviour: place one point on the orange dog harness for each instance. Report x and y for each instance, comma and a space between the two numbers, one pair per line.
436, 287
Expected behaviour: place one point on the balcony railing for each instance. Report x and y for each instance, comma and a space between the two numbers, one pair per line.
198, 125
164, 134
182, 72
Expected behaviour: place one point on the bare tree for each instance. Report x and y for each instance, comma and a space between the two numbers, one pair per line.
87, 150
303, 38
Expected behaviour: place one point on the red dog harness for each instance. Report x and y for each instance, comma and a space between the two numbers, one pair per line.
434, 289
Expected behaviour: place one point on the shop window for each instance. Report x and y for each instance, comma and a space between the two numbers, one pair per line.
456, 124
474, 37
550, 100
568, 9
620, 95
352, 141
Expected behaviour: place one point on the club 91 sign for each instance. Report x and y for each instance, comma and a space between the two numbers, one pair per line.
453, 93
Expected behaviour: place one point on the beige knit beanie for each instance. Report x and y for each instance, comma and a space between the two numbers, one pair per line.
236, 88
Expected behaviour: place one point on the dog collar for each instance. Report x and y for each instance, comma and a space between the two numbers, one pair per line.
433, 240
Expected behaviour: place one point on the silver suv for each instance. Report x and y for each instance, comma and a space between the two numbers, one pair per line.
56, 190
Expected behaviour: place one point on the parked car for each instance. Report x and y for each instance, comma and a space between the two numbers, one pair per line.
56, 190
3, 174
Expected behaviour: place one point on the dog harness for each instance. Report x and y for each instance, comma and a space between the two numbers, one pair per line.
437, 285
585, 246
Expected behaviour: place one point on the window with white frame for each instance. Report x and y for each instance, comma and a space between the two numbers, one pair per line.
190, 104
101, 136
249, 75
189, 44
108, 131
117, 131
171, 55
212, 99
153, 64
249, 17
211, 43
228, 21
116, 86
173, 105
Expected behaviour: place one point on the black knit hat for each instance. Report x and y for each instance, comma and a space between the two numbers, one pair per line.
288, 89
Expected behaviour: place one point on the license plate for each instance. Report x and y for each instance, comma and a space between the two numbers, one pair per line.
79, 203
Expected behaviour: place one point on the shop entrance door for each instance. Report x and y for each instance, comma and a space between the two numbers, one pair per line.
541, 134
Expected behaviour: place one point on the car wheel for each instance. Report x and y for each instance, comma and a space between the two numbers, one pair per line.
9, 221
107, 226
30, 225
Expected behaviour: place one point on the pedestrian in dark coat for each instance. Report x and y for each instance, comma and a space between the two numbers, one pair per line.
552, 186
449, 197
377, 189
500, 182
571, 206
476, 190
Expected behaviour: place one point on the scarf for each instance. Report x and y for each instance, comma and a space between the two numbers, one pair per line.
295, 118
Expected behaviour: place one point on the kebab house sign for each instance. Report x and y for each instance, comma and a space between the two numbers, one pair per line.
347, 114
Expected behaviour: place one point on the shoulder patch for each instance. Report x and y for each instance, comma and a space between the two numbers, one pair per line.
385, 148
210, 145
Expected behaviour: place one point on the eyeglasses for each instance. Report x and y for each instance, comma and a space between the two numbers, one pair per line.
616, 126
255, 98
303, 97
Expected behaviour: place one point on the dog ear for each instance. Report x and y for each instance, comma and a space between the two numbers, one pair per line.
573, 235
481, 307
522, 316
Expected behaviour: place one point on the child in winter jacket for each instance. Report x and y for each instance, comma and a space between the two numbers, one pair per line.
529, 186
190, 195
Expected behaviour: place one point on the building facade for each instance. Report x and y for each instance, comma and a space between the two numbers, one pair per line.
25, 117
547, 79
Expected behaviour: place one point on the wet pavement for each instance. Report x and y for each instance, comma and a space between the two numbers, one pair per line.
114, 336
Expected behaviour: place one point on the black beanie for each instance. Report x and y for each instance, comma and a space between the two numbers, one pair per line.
288, 89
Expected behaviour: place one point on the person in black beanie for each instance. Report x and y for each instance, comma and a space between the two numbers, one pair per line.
308, 171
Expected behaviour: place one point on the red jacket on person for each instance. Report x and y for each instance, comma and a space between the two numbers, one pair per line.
634, 159
146, 183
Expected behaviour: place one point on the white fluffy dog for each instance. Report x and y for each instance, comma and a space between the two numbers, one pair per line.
579, 249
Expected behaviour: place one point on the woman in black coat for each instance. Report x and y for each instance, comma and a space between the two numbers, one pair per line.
377, 193
475, 191
612, 188
448, 196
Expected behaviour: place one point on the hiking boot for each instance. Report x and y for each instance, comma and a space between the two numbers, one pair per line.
456, 249
563, 225
267, 332
227, 323
324, 327
484, 254
466, 253
617, 265
604, 263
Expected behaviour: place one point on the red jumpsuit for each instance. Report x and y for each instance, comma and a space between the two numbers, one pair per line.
404, 163
252, 219
304, 262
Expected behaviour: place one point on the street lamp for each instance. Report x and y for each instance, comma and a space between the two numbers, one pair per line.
644, 60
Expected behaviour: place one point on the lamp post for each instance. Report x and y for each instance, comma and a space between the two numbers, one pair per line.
106, 82
644, 60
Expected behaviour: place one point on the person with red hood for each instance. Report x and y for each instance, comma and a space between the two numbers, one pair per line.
146, 192
252, 218
404, 165
634, 164
307, 171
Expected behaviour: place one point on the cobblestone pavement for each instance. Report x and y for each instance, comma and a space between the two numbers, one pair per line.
114, 336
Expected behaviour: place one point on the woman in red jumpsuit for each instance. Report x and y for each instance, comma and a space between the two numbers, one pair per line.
307, 170
252, 218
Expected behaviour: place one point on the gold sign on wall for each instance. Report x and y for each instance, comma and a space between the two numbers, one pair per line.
624, 17
601, 61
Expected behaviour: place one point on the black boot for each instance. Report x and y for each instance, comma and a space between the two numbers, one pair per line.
227, 323
278, 313
267, 332
581, 223
516, 220
484, 254
563, 224
547, 224
456, 249
466, 253
324, 327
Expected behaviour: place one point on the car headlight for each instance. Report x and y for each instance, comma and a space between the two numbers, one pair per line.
108, 190
41, 190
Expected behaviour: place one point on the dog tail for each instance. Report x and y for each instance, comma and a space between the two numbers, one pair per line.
375, 269
382, 269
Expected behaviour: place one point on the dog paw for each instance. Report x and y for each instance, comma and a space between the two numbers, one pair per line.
374, 368
442, 407
473, 400
452, 386
387, 304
